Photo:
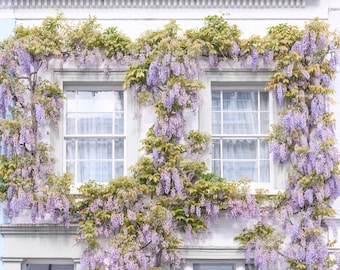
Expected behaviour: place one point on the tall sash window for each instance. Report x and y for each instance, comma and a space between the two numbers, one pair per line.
94, 134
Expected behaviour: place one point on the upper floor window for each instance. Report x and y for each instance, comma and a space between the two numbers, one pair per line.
240, 122
94, 133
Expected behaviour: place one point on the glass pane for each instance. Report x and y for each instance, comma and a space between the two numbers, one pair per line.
216, 123
246, 101
216, 167
119, 123
95, 148
71, 123
216, 145
71, 167
216, 100
239, 149
94, 123
264, 171
264, 122
240, 123
119, 100
264, 150
95, 101
229, 171
119, 169
236, 170
247, 170
71, 104
100, 171
213, 266
228, 97
70, 149
264, 101
119, 148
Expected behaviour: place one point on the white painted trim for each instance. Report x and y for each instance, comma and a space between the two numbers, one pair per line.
29, 4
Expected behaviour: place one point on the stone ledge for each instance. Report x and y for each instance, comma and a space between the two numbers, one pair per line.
37, 229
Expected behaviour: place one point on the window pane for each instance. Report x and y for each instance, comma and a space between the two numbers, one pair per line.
264, 122
216, 123
94, 123
216, 167
236, 170
213, 266
119, 168
216, 149
239, 149
264, 171
216, 101
94, 101
119, 148
264, 101
95, 149
119, 100
264, 150
71, 167
70, 149
227, 101
246, 101
71, 104
229, 171
100, 171
119, 123
240, 123
71, 123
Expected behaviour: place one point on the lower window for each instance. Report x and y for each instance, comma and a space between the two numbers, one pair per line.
49, 267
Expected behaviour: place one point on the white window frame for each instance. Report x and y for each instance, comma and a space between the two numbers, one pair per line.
223, 87
79, 79
95, 87
241, 79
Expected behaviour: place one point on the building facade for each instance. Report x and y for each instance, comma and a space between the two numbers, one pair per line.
45, 245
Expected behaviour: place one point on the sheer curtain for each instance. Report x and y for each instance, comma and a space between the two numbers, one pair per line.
93, 149
238, 120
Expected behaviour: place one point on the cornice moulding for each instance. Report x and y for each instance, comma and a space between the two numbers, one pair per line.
34, 4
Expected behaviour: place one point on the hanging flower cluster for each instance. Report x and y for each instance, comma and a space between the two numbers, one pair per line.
309, 144
123, 228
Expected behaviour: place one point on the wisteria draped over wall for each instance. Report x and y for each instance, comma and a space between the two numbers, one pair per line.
133, 222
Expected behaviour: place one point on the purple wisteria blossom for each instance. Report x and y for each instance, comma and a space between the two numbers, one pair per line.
213, 60
254, 59
24, 59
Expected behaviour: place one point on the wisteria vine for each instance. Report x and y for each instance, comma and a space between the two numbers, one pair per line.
133, 222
